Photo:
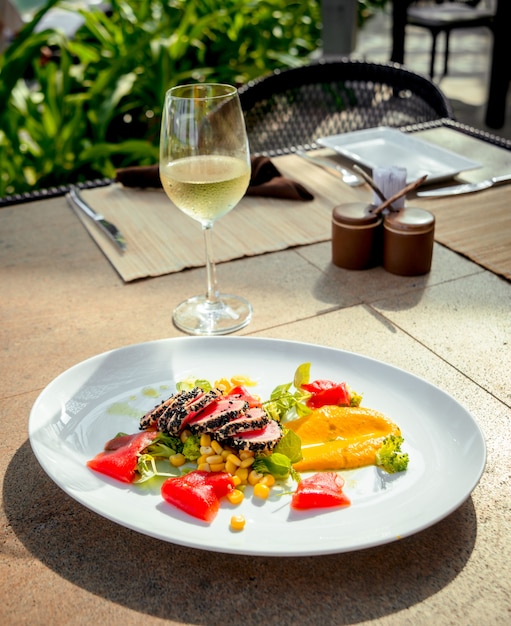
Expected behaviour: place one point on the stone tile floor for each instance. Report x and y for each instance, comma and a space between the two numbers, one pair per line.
466, 85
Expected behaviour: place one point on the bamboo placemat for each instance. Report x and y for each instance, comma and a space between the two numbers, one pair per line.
161, 240
476, 225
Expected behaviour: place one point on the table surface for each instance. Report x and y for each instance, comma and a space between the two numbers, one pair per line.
60, 563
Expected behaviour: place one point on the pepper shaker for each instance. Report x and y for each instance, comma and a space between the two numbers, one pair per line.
408, 237
356, 236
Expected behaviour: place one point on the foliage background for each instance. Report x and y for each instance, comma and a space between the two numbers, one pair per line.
74, 109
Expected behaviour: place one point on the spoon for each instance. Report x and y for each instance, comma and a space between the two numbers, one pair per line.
347, 177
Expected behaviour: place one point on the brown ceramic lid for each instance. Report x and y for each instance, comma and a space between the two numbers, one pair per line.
410, 219
357, 213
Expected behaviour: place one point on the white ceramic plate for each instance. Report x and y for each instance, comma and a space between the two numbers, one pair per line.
94, 400
386, 147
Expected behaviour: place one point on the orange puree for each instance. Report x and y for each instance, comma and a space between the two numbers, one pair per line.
335, 437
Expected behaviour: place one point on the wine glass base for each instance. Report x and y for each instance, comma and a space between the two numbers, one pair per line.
200, 316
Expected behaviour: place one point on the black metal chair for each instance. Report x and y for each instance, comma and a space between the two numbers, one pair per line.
292, 108
500, 75
444, 16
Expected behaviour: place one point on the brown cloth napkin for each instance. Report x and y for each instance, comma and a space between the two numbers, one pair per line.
266, 180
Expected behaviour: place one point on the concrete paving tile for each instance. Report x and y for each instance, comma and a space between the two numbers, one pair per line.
113, 322
383, 335
369, 284
473, 334
363, 330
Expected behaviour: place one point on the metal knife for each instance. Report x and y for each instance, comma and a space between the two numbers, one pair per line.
457, 190
76, 201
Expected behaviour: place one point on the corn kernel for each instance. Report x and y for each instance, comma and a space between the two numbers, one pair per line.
236, 480
204, 467
268, 479
217, 448
235, 496
230, 467
217, 467
206, 450
205, 440
223, 384
225, 453
254, 477
242, 473
245, 454
202, 459
261, 491
177, 460
245, 381
184, 435
214, 458
247, 462
234, 459
237, 522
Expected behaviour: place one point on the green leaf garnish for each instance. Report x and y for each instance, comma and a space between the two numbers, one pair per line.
290, 445
285, 403
302, 375
189, 383
147, 469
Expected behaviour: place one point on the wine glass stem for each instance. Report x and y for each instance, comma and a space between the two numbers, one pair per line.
212, 290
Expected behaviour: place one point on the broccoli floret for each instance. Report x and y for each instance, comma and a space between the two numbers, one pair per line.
191, 448
389, 457
164, 446
355, 398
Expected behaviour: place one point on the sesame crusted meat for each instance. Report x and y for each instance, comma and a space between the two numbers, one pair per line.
150, 419
188, 404
261, 440
229, 420
216, 415
254, 419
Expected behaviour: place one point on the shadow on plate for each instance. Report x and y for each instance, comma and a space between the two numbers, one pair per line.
168, 581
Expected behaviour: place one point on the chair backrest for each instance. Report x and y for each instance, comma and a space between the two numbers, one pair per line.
292, 108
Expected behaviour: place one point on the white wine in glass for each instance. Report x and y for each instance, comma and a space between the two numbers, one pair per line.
205, 171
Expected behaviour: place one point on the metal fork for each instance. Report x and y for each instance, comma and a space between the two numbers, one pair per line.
348, 177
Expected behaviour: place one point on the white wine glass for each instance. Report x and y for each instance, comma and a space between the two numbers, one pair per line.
205, 171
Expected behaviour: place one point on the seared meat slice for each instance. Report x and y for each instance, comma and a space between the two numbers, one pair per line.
216, 415
254, 419
261, 440
186, 407
150, 419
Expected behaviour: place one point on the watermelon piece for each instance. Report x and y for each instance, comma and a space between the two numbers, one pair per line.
120, 457
198, 493
322, 490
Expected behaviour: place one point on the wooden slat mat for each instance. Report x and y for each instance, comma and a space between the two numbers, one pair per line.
161, 240
476, 225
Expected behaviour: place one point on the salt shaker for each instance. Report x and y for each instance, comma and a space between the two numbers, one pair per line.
356, 236
408, 237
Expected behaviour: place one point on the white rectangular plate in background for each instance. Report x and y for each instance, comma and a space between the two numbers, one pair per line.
387, 147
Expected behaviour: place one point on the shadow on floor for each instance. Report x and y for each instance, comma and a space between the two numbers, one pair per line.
183, 584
